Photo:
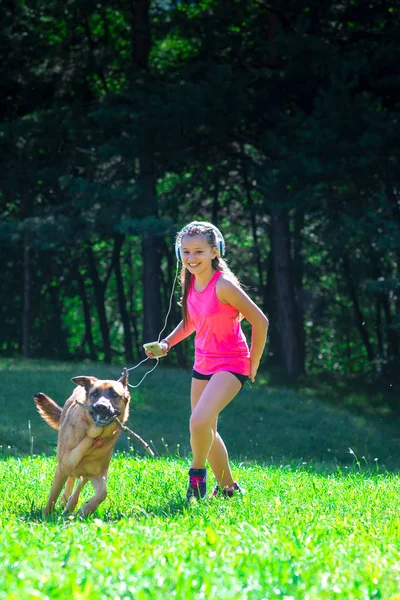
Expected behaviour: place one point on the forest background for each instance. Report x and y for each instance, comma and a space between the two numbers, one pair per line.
122, 121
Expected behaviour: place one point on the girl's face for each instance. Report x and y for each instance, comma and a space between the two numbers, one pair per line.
197, 253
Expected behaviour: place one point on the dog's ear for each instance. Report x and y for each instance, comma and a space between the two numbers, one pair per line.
124, 377
84, 381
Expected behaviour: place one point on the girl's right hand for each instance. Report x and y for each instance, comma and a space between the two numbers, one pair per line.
164, 347
254, 364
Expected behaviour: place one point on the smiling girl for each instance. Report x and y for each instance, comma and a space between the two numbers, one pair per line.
213, 304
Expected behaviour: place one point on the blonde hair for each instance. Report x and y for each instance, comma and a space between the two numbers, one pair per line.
218, 263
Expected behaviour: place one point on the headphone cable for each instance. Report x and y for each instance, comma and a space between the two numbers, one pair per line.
159, 335
170, 300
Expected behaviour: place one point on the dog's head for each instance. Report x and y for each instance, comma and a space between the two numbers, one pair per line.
106, 398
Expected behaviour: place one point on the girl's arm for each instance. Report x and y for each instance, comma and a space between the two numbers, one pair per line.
176, 336
229, 293
179, 334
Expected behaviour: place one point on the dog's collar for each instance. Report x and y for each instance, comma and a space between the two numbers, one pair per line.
99, 442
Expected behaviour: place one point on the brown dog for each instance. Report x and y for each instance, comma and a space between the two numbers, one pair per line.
86, 439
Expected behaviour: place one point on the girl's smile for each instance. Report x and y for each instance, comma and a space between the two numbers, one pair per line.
197, 254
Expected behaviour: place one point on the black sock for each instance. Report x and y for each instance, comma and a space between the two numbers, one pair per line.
198, 472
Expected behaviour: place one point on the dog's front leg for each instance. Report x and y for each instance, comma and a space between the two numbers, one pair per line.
73, 501
99, 483
58, 483
69, 488
76, 454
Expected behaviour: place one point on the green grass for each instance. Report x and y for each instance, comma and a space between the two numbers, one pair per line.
316, 522
266, 423
296, 533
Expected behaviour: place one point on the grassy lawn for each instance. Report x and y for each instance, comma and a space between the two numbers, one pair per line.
316, 423
316, 522
296, 533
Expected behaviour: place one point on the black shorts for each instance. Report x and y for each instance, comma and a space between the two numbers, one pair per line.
242, 378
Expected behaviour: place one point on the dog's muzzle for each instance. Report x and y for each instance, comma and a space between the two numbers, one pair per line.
103, 412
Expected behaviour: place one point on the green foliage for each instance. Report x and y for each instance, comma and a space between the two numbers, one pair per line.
242, 110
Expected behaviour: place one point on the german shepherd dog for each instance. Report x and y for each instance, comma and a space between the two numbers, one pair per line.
87, 435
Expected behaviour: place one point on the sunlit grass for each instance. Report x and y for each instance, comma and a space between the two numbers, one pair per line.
295, 533
319, 519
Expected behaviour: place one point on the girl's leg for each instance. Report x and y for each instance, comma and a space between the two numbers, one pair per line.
214, 394
218, 455
219, 462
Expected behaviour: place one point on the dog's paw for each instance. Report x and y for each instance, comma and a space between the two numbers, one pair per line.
94, 431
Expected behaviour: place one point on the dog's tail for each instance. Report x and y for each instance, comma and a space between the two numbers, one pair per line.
48, 410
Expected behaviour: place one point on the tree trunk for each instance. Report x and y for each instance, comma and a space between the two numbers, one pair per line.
383, 304
151, 287
215, 205
269, 307
290, 338
392, 336
348, 351
298, 269
26, 313
253, 220
141, 45
86, 313
151, 254
141, 34
99, 292
360, 321
119, 240
132, 304
378, 327
59, 344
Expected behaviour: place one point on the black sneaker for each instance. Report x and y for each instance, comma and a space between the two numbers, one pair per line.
197, 484
228, 491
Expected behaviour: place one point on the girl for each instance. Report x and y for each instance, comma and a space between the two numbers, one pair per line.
213, 304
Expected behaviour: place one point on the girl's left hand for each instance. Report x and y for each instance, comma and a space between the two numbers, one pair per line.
254, 364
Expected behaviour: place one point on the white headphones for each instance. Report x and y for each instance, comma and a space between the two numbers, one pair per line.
206, 225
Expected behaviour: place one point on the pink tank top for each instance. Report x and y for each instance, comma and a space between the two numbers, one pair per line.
220, 344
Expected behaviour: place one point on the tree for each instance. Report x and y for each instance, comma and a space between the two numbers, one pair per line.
129, 119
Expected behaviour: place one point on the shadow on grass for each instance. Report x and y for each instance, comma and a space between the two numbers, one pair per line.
362, 394
163, 510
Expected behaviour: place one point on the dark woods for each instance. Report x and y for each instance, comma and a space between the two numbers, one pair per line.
121, 121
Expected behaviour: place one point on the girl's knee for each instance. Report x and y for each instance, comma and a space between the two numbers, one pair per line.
198, 424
